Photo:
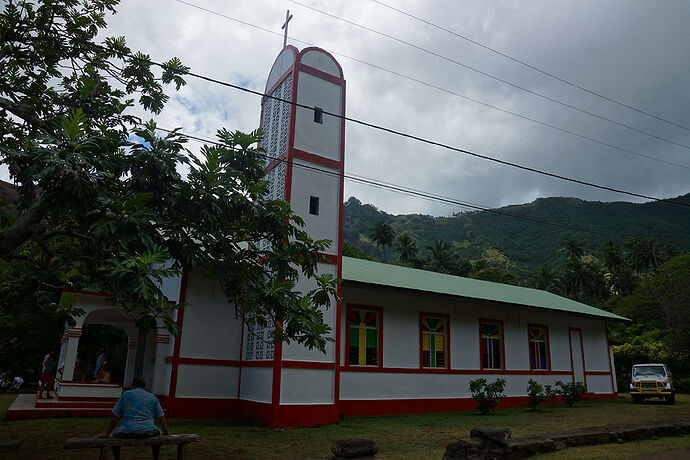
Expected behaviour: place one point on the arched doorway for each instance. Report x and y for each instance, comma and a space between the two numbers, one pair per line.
101, 345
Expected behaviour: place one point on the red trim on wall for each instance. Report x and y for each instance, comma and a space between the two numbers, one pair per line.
548, 347
597, 373
284, 416
419, 406
277, 83
277, 373
93, 293
293, 364
206, 361
200, 407
503, 342
239, 376
329, 258
262, 363
314, 48
180, 321
318, 159
294, 415
423, 314
308, 365
295, 53
338, 327
416, 370
300, 67
88, 384
379, 311
279, 159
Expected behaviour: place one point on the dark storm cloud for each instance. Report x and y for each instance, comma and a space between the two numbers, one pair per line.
632, 51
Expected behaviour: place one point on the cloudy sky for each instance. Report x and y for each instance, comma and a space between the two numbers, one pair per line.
635, 52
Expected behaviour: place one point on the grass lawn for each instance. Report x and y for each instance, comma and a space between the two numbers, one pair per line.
423, 436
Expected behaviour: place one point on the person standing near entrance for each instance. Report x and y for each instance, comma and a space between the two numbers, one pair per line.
100, 359
46, 376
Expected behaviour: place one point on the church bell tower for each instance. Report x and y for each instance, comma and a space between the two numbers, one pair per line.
306, 149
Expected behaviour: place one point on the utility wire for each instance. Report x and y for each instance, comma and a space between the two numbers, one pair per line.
486, 74
444, 90
367, 124
537, 69
404, 190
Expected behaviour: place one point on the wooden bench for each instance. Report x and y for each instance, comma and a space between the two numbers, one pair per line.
9, 445
116, 443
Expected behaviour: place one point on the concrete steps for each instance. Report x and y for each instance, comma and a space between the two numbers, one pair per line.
25, 407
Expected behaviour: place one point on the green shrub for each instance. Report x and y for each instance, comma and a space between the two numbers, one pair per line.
487, 395
538, 393
683, 385
570, 392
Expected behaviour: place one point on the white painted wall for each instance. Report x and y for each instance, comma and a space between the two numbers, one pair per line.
210, 329
401, 345
282, 63
321, 139
307, 183
307, 386
201, 381
257, 384
381, 385
295, 351
321, 61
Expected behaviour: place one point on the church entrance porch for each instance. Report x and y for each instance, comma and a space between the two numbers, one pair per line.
94, 372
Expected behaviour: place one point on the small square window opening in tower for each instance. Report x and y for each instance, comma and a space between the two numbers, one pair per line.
318, 115
314, 205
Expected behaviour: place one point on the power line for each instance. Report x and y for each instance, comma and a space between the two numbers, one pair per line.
445, 90
530, 66
405, 190
486, 74
370, 125
421, 139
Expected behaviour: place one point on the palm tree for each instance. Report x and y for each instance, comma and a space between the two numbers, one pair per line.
443, 258
573, 249
406, 246
383, 235
647, 254
545, 278
613, 257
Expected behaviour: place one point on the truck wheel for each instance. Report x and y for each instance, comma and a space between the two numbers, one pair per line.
670, 399
636, 399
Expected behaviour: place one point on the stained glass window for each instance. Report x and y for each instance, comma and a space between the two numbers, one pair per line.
538, 353
364, 337
434, 347
491, 346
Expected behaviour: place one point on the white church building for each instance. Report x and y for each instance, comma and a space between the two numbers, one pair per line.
404, 340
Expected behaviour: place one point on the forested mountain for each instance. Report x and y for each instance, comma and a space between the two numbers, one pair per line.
520, 246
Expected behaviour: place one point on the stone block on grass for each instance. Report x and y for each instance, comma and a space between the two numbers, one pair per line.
465, 449
500, 436
354, 448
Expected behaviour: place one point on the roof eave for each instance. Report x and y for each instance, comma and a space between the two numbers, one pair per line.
477, 300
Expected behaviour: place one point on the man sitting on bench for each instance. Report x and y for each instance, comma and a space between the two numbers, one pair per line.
137, 408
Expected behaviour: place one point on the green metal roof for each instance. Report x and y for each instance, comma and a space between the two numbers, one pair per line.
366, 271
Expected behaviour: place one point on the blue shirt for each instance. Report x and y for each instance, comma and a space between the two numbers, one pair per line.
138, 409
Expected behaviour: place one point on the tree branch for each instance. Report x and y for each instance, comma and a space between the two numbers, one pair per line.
24, 227
24, 113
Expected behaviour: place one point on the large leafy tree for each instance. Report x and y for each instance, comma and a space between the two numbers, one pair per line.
101, 211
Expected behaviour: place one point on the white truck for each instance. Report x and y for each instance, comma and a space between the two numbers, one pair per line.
651, 381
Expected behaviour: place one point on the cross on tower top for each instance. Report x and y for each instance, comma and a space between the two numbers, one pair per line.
288, 16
